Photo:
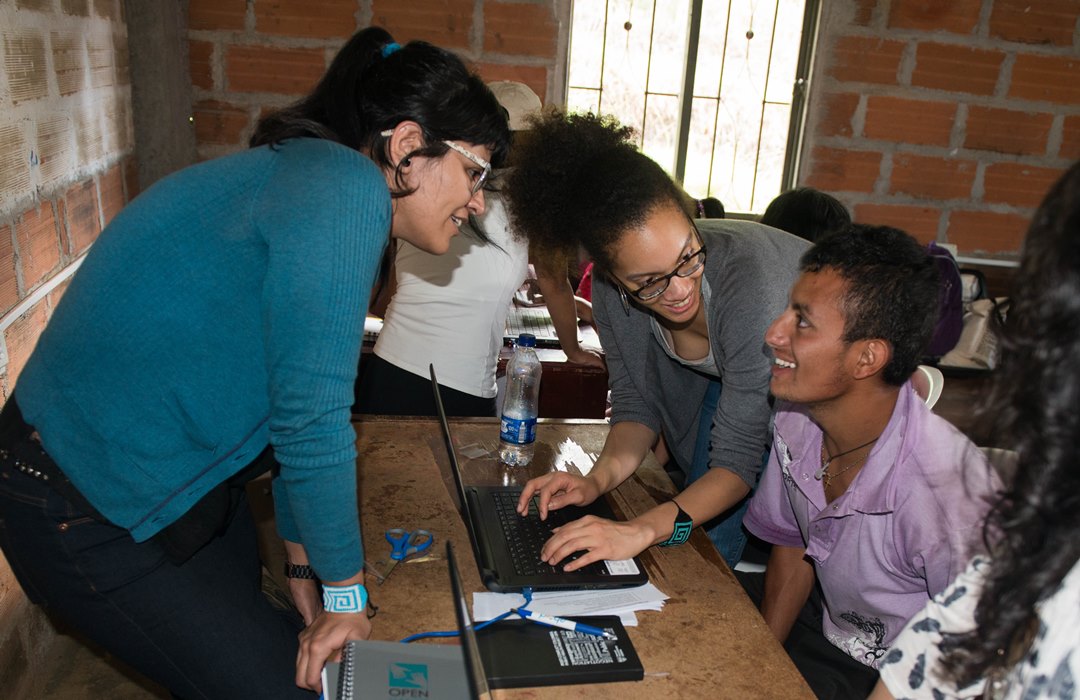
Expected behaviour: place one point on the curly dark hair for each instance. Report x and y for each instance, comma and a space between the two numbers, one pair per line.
577, 180
1032, 530
365, 92
892, 290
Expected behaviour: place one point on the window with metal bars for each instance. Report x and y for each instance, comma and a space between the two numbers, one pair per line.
714, 88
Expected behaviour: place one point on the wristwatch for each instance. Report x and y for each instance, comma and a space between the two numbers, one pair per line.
345, 599
680, 533
299, 571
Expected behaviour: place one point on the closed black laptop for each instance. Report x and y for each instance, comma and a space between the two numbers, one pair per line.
507, 545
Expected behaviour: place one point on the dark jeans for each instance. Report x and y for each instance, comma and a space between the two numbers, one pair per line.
830, 673
202, 629
388, 390
725, 530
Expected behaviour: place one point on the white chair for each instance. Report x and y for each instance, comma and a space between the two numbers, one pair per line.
928, 382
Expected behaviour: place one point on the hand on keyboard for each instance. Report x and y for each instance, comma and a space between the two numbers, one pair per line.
556, 490
600, 538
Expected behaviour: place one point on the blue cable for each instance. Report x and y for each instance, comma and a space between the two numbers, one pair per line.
526, 592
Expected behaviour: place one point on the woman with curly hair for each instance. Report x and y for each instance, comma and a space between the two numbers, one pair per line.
1008, 626
682, 307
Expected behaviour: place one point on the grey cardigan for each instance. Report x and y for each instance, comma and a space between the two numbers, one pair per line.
750, 269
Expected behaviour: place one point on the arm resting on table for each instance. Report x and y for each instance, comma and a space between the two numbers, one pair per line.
559, 297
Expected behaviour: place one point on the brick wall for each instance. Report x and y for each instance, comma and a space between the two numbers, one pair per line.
251, 56
947, 119
65, 153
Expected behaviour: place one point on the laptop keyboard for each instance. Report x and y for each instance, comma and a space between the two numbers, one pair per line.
525, 536
530, 320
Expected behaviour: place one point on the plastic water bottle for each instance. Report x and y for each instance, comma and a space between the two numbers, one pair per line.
517, 432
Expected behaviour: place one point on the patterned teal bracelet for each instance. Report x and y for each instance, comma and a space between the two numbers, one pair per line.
680, 533
345, 599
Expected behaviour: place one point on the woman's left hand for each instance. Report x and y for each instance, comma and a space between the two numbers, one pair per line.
584, 356
323, 640
598, 538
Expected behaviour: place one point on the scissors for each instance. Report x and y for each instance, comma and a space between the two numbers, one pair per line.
406, 545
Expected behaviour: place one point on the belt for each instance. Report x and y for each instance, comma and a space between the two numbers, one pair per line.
21, 449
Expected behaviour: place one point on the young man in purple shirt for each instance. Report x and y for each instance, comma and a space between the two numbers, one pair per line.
872, 503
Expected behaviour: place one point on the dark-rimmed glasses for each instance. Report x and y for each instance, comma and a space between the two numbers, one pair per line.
690, 264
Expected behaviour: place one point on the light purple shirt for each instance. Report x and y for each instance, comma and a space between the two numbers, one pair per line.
909, 522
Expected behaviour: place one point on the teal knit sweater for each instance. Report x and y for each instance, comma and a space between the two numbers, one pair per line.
220, 311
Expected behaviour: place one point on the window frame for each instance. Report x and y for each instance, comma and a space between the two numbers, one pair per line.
800, 90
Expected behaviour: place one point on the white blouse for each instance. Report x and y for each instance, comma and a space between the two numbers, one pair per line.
1050, 670
451, 309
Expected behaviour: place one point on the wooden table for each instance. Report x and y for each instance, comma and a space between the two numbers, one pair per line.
709, 641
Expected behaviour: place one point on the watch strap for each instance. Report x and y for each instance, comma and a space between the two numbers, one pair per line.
680, 533
345, 599
300, 571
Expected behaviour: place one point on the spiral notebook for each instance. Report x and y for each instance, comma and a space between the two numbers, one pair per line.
508, 654
394, 670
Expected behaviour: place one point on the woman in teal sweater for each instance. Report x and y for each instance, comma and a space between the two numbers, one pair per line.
216, 327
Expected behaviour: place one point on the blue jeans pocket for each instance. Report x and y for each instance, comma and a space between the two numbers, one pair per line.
104, 556
53, 547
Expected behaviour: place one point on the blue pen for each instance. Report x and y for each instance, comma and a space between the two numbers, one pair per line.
565, 624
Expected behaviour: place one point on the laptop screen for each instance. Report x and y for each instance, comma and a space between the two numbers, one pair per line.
457, 494
474, 665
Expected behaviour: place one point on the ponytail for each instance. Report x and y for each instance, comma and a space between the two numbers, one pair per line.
374, 84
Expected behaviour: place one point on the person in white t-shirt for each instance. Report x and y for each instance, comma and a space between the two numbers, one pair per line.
448, 310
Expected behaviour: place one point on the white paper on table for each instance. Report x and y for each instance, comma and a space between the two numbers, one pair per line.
569, 452
616, 601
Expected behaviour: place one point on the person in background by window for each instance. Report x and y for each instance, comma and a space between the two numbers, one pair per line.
1009, 626
212, 332
680, 308
710, 208
807, 213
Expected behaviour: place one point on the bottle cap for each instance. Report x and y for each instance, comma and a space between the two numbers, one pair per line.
527, 340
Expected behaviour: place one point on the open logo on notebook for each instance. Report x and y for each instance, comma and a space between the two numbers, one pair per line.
408, 676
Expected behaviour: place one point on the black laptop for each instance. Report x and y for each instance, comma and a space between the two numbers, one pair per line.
475, 674
507, 545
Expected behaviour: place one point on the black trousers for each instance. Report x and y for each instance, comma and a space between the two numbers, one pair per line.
388, 390
830, 673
